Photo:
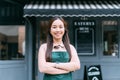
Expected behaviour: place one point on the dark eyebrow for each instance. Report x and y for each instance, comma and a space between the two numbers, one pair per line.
53, 25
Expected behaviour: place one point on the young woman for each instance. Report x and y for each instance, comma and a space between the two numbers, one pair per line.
57, 58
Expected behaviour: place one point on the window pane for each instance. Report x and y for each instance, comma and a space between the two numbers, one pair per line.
110, 38
11, 40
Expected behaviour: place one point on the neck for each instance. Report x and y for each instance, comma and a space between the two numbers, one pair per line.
57, 42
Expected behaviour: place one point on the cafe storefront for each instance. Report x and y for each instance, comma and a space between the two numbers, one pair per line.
93, 29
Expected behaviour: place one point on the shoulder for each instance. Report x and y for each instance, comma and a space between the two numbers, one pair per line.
72, 47
43, 46
73, 50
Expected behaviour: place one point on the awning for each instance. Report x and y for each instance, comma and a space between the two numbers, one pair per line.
73, 8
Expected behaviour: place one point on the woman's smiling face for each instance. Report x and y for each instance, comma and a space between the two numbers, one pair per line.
57, 29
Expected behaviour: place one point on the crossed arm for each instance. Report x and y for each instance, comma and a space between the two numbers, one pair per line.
57, 68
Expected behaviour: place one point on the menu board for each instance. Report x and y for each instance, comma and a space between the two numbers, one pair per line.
93, 72
84, 38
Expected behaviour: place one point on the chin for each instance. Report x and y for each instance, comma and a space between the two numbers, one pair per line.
58, 38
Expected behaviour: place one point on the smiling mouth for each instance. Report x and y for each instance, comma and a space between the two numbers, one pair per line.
57, 33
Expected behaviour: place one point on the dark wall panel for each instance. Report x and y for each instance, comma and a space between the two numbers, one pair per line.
11, 14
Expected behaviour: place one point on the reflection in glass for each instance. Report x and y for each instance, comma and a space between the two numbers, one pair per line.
43, 30
11, 38
110, 38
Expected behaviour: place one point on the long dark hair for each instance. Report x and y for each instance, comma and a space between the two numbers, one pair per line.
65, 39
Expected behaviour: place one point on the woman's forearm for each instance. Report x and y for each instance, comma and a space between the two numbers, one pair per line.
71, 66
50, 68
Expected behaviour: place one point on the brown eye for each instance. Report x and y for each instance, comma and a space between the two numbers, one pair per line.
53, 27
61, 26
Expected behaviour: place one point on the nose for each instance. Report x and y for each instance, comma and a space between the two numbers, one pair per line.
58, 29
